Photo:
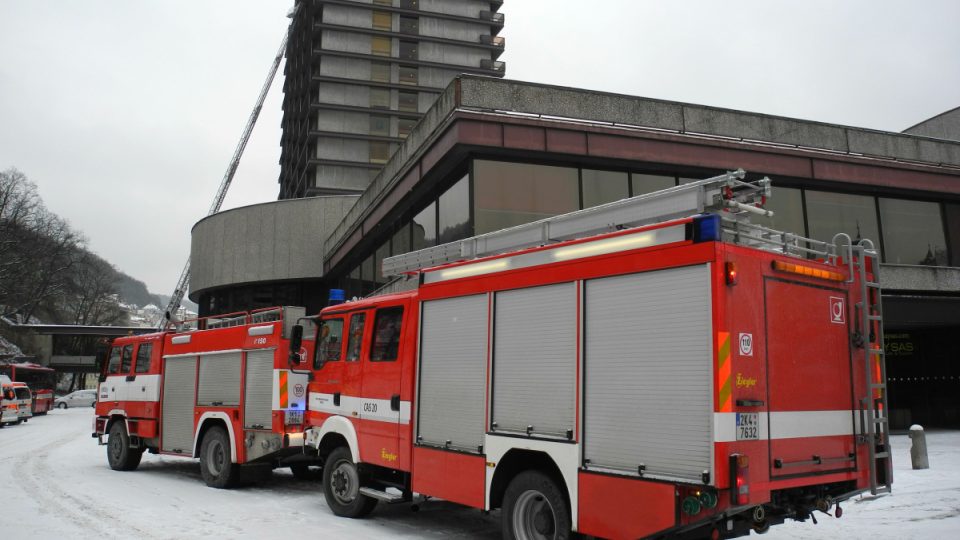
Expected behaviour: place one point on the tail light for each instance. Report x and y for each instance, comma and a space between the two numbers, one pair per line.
731, 273
739, 488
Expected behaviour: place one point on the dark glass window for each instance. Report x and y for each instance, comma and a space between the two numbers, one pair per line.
913, 232
367, 271
382, 253
508, 194
603, 186
379, 125
400, 243
686, 180
425, 227
832, 213
454, 210
330, 346
143, 357
409, 101
113, 365
408, 50
127, 360
386, 335
356, 336
952, 212
405, 126
409, 75
787, 207
379, 152
380, 98
410, 4
379, 72
382, 20
409, 25
648, 183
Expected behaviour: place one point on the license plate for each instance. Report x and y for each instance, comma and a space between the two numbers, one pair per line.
748, 426
293, 417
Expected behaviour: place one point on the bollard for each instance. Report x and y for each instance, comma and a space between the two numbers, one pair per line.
918, 447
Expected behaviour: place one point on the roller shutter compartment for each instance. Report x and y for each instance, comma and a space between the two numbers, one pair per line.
648, 373
219, 380
535, 360
453, 357
258, 400
179, 383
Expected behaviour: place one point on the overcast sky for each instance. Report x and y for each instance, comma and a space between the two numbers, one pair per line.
126, 113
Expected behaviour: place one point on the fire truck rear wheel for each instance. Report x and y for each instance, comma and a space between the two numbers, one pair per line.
341, 486
534, 508
216, 463
119, 454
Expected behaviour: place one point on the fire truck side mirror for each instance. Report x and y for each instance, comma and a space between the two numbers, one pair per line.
296, 340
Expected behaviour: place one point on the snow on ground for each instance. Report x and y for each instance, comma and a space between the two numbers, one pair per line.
57, 484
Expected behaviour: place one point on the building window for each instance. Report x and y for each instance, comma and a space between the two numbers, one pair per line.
380, 254
379, 98
787, 207
641, 184
382, 20
599, 187
400, 243
454, 212
381, 46
405, 126
367, 271
832, 213
410, 4
379, 125
425, 228
408, 50
409, 25
379, 72
408, 101
379, 153
912, 232
509, 194
383, 2
409, 75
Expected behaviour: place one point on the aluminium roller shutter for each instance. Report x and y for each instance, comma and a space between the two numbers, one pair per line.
179, 384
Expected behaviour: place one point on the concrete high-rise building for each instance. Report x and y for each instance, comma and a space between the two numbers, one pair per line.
361, 73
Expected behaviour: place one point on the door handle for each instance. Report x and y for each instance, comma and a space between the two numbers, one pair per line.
395, 402
131, 377
336, 399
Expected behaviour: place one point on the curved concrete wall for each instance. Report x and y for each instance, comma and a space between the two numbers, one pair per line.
273, 241
942, 126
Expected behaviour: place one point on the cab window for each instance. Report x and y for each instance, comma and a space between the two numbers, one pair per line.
127, 359
356, 336
113, 366
386, 335
143, 357
330, 345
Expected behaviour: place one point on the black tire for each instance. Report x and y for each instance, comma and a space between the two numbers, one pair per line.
119, 454
534, 508
341, 486
216, 464
61, 405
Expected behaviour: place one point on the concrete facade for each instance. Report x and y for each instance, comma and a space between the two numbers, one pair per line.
361, 73
943, 126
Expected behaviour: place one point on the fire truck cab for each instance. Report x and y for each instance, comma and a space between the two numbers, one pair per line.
218, 388
678, 377
8, 402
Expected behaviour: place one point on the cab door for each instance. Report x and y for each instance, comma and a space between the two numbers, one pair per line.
326, 390
382, 409
358, 327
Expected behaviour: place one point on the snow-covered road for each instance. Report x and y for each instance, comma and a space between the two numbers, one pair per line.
56, 483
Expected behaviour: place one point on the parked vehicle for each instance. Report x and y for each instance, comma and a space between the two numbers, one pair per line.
24, 401
80, 398
222, 392
8, 402
40, 379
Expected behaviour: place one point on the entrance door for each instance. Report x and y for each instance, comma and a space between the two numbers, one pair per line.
809, 369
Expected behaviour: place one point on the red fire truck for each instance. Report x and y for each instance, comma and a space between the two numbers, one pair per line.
41, 381
221, 391
654, 367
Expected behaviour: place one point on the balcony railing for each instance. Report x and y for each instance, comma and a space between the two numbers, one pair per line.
492, 16
493, 65
496, 41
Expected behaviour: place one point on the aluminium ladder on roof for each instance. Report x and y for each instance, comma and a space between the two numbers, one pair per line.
724, 192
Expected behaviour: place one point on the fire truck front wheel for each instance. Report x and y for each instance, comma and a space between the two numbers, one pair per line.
341, 486
534, 508
216, 464
119, 454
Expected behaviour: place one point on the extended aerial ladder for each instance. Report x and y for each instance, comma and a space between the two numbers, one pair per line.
184, 282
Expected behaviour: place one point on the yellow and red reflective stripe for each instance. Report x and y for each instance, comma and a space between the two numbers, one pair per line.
724, 403
284, 398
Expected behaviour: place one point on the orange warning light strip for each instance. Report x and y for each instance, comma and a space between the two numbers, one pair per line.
808, 271
725, 404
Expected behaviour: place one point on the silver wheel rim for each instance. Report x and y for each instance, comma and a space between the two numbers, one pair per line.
344, 482
216, 458
534, 517
116, 445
